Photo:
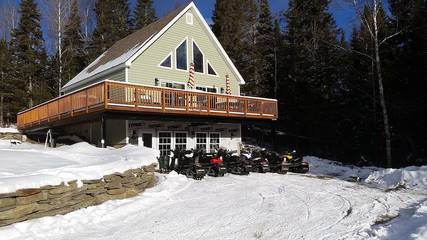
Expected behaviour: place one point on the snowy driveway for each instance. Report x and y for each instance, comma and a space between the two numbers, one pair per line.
258, 206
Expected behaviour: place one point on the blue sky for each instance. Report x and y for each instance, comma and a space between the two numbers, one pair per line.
343, 12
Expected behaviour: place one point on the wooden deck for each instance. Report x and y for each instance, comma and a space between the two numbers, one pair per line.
118, 96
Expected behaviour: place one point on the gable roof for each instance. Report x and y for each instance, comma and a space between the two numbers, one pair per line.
126, 50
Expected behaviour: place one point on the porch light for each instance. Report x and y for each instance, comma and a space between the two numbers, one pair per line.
156, 82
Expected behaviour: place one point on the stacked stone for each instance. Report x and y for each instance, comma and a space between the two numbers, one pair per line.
11, 136
25, 204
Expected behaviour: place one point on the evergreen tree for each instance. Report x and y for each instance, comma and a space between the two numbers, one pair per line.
409, 76
308, 90
279, 65
228, 26
266, 48
29, 57
74, 58
113, 24
6, 86
144, 13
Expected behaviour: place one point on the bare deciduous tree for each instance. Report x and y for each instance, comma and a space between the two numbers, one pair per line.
57, 13
373, 27
88, 18
9, 17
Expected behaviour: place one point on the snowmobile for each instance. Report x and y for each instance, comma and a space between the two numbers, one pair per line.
277, 163
296, 163
164, 162
185, 163
212, 163
234, 163
258, 160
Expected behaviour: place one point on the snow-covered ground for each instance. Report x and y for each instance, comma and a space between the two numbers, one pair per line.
375, 204
11, 129
31, 165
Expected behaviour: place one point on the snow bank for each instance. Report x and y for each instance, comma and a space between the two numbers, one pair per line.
9, 130
30, 165
409, 177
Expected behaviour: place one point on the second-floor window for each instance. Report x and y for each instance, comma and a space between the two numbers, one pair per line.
181, 56
167, 62
198, 59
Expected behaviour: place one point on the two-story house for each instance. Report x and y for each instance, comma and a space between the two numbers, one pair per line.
169, 85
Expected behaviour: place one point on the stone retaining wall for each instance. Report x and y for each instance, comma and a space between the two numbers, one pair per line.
25, 204
10, 136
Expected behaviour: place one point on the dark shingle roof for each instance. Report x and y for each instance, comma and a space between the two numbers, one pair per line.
123, 49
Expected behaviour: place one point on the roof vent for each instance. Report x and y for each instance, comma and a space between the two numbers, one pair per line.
189, 18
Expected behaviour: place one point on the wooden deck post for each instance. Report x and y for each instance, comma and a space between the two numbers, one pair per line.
136, 97
163, 100
105, 95
87, 101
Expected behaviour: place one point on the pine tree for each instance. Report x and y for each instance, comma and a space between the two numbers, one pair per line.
229, 22
74, 58
29, 56
113, 24
409, 76
144, 13
311, 80
266, 49
279, 65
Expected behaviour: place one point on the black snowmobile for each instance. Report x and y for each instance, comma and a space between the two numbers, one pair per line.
185, 163
234, 163
258, 160
277, 163
212, 163
296, 163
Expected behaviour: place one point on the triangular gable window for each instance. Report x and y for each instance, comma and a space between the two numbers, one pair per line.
181, 56
167, 62
211, 71
198, 59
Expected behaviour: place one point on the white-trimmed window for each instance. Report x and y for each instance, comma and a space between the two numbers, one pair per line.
189, 18
181, 140
214, 141
165, 143
201, 140
207, 89
173, 85
181, 56
198, 59
211, 70
167, 62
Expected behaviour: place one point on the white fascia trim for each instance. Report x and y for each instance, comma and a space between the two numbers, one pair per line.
233, 67
154, 38
157, 36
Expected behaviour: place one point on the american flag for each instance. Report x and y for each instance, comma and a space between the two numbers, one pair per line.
227, 85
190, 83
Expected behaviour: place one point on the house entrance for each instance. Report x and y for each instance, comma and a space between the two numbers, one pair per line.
147, 139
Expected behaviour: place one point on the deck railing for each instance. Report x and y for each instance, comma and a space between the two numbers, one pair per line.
117, 96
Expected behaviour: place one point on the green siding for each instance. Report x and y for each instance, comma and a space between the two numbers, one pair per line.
118, 75
145, 68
